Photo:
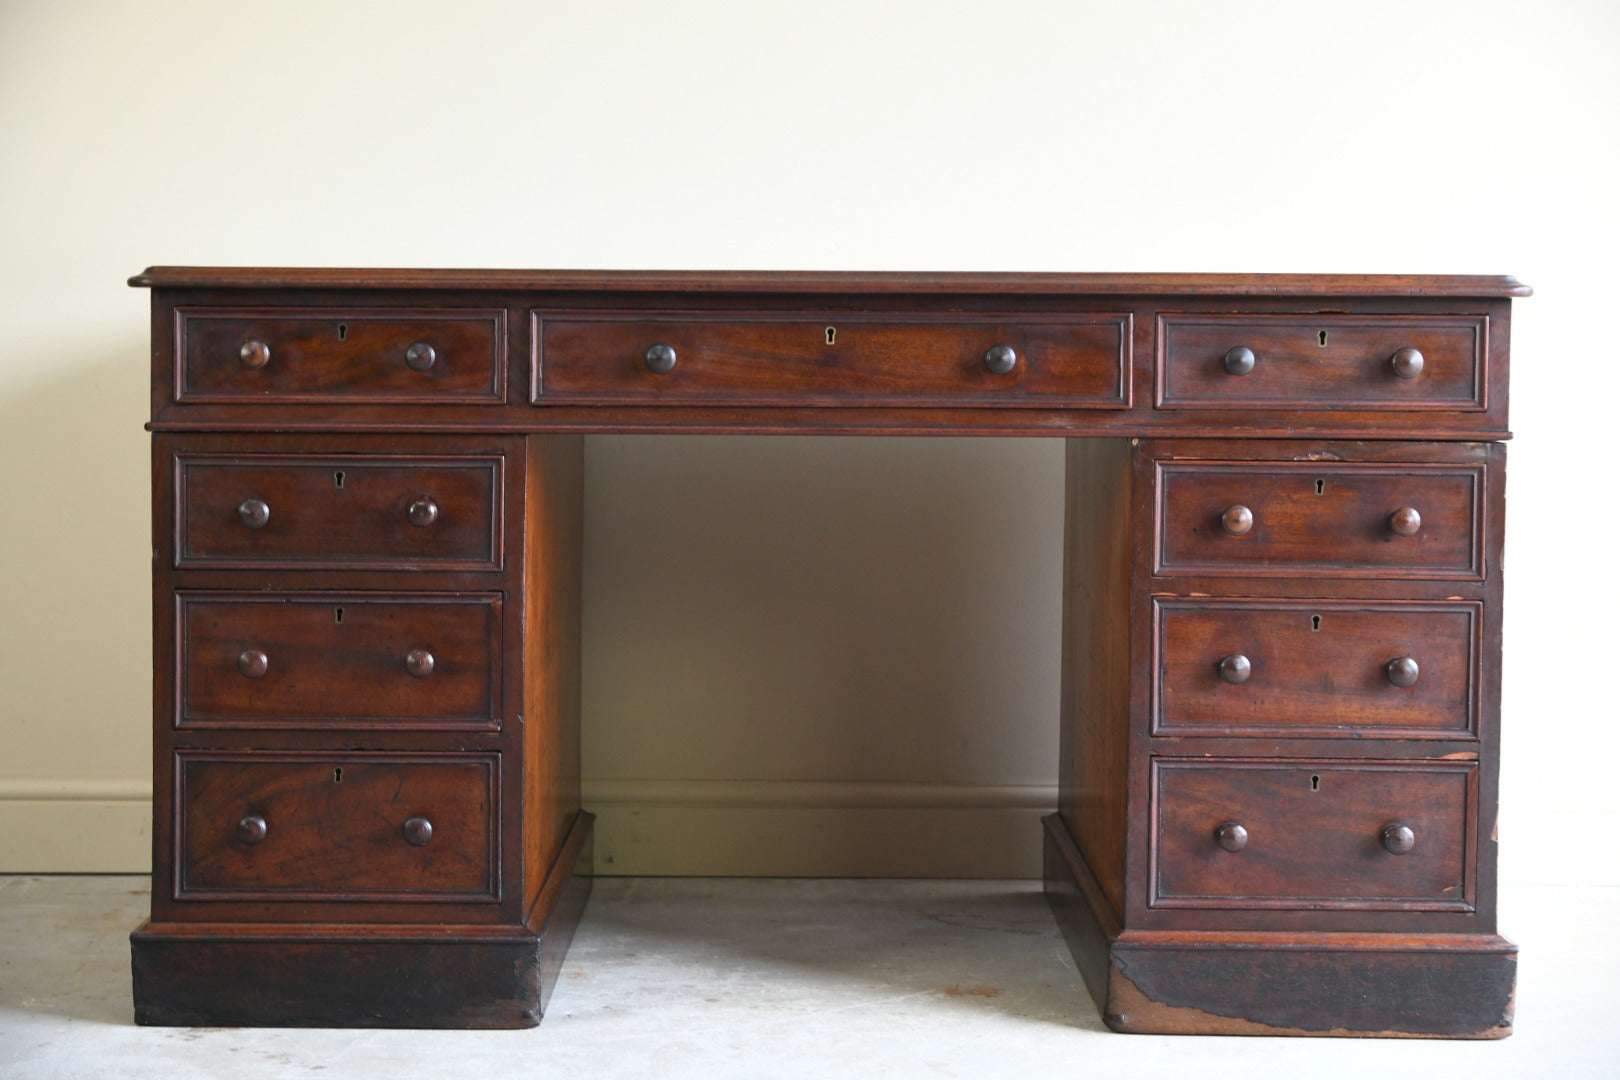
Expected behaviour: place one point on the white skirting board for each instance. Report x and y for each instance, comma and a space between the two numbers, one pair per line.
757, 828
75, 826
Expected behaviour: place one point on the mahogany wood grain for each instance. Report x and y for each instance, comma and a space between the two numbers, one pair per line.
340, 659
1327, 518
1314, 830
553, 535
1449, 985
334, 827
1261, 828
1316, 667
343, 353
1095, 681
1323, 361
328, 511
879, 283
1081, 361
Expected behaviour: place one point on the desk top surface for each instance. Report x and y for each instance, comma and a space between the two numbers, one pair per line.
834, 282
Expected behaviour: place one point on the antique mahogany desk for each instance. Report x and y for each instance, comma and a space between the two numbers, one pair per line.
1281, 637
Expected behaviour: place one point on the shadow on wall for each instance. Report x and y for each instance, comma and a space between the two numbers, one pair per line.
810, 624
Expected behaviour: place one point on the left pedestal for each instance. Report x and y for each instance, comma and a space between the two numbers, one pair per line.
366, 730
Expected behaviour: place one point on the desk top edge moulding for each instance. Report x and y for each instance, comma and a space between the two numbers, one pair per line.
1282, 618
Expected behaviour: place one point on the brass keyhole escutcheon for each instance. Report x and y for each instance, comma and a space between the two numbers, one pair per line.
832, 335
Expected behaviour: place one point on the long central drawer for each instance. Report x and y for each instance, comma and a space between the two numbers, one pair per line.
1077, 361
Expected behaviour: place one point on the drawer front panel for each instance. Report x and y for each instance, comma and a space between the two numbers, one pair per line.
836, 359
342, 511
1316, 667
246, 356
338, 827
1314, 834
1337, 520
1321, 362
339, 660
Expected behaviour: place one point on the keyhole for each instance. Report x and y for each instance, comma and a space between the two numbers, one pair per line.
1320, 484
338, 478
832, 332
337, 776
1316, 623
343, 331
1316, 783
337, 616
1321, 339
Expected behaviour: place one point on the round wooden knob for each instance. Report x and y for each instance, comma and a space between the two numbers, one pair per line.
1232, 836
1407, 363
252, 663
1402, 671
1239, 360
254, 513
1237, 520
255, 354
1000, 359
252, 829
1406, 521
422, 512
418, 831
420, 356
660, 358
1236, 668
1398, 839
419, 662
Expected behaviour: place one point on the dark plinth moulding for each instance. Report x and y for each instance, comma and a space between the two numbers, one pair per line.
1280, 721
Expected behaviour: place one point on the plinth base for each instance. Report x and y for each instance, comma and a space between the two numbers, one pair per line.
364, 975
1456, 986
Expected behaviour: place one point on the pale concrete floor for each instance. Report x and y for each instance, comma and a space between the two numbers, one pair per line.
711, 978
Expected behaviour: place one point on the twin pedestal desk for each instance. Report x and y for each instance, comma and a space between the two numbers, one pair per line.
1281, 631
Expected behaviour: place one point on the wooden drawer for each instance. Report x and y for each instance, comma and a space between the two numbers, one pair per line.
1330, 518
344, 660
1079, 361
363, 826
1322, 362
354, 511
1316, 667
282, 355
1313, 834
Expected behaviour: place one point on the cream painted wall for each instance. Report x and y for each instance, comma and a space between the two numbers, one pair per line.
903, 592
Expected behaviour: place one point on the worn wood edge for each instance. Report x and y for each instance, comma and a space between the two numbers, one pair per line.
829, 282
1116, 963
486, 976
1130, 1004
345, 977
1315, 941
1170, 985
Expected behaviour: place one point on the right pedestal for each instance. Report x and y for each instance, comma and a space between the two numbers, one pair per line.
1279, 737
